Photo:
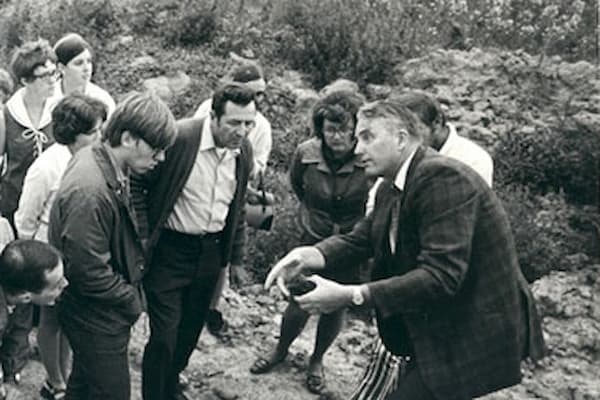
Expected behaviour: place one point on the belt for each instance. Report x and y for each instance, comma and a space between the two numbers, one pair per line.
189, 238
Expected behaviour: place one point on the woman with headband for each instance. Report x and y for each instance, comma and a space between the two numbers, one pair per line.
75, 65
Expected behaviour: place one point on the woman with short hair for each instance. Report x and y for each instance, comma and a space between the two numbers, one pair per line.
76, 120
332, 189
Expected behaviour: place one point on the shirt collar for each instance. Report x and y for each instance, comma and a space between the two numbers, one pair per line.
452, 136
400, 180
16, 106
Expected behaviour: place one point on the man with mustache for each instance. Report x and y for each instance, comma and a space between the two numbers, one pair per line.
195, 209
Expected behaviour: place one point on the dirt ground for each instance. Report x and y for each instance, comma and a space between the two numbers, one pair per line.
218, 369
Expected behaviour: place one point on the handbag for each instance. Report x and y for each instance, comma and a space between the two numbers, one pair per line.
260, 215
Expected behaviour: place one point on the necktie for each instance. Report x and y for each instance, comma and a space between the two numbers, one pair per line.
395, 217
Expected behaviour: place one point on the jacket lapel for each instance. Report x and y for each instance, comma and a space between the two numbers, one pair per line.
121, 191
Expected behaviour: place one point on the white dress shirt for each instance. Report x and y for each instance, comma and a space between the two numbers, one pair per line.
203, 203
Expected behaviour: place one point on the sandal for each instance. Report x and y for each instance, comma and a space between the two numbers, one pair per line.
315, 382
49, 392
263, 365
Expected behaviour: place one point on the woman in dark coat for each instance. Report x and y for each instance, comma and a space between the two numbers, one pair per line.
332, 189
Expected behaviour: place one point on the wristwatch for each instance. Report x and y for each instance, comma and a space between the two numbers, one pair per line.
357, 297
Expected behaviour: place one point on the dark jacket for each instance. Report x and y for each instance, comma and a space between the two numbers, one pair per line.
453, 289
92, 224
331, 201
155, 195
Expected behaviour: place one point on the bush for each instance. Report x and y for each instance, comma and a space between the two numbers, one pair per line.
339, 38
192, 27
543, 230
551, 160
96, 21
179, 23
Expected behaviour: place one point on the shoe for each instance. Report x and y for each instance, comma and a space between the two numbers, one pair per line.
263, 365
330, 395
49, 392
215, 323
315, 381
183, 382
179, 395
14, 379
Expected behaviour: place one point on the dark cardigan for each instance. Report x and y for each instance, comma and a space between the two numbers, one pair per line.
154, 195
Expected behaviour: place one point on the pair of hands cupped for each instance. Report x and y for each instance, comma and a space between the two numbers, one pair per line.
312, 293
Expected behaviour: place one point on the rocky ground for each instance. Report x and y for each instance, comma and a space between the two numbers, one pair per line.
568, 302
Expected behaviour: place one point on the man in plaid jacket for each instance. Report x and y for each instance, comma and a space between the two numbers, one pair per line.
446, 287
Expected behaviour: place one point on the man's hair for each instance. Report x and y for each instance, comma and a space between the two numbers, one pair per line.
246, 73
144, 116
30, 56
425, 107
236, 94
7, 85
339, 107
391, 110
24, 265
75, 115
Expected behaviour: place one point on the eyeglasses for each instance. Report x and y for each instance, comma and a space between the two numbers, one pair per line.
332, 131
52, 74
158, 154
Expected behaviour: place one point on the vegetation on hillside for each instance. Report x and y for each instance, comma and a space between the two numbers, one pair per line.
546, 162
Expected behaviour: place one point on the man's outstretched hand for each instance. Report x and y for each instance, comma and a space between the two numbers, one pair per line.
293, 264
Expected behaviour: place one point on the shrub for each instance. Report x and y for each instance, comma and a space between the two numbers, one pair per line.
339, 38
96, 21
543, 229
180, 23
192, 27
551, 160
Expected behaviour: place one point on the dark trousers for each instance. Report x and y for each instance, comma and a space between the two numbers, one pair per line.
100, 364
15, 351
179, 289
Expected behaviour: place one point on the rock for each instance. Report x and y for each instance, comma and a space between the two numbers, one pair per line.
125, 39
167, 86
145, 62
376, 92
225, 391
305, 99
241, 59
587, 121
340, 84
576, 73
289, 81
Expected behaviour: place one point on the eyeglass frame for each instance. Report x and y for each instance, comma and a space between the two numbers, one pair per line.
54, 74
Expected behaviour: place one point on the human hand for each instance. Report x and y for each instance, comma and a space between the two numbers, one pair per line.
6, 233
326, 297
291, 266
238, 276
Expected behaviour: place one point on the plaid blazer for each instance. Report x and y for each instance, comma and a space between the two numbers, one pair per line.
453, 290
